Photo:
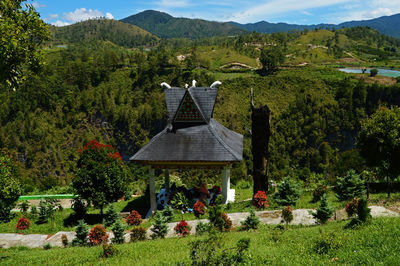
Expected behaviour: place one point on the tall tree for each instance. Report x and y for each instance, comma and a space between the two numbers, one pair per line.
379, 142
22, 32
101, 177
271, 58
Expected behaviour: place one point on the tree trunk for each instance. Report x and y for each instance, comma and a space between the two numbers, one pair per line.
388, 186
261, 132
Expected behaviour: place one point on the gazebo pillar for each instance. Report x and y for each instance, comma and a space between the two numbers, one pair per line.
152, 186
226, 183
166, 181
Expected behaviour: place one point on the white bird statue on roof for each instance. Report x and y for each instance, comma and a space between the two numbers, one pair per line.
165, 84
194, 83
186, 86
215, 84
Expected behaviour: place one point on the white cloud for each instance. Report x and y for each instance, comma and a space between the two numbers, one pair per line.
81, 14
381, 11
274, 7
306, 13
60, 23
109, 16
36, 5
52, 16
172, 3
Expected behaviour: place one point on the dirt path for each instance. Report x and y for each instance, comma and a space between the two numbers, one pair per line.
300, 216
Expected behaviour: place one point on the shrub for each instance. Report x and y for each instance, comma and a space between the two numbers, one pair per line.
363, 212
23, 223
199, 209
128, 195
109, 250
79, 207
168, 213
134, 218
260, 200
160, 227
10, 187
288, 192
47, 246
350, 186
287, 214
326, 242
111, 216
210, 251
227, 222
218, 219
373, 72
202, 228
64, 240
182, 228
351, 207
119, 232
180, 202
97, 235
34, 210
318, 192
81, 238
47, 208
251, 221
324, 211
138, 234
23, 206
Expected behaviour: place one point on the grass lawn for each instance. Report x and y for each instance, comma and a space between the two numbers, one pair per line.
375, 243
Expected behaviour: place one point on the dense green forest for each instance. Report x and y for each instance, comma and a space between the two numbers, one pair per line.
107, 88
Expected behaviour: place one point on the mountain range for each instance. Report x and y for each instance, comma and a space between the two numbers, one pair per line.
166, 26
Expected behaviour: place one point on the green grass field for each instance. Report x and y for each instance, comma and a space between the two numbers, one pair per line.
377, 243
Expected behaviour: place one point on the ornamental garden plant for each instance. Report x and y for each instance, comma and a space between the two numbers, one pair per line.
98, 235
101, 177
134, 218
23, 223
199, 209
260, 200
182, 228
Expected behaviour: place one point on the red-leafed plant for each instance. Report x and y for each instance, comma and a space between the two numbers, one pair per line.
98, 235
260, 200
287, 214
182, 228
227, 222
351, 207
199, 209
134, 218
23, 223
217, 189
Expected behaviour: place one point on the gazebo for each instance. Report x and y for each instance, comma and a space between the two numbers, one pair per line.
192, 138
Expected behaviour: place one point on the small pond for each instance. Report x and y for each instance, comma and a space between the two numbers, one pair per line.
381, 71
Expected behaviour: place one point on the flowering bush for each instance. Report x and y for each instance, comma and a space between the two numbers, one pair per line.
134, 218
182, 228
260, 200
23, 223
351, 207
108, 250
97, 235
199, 209
101, 176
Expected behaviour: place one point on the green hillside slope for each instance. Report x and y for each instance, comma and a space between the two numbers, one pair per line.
166, 26
120, 33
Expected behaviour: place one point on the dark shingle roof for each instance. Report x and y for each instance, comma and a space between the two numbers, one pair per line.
205, 99
173, 97
192, 141
208, 142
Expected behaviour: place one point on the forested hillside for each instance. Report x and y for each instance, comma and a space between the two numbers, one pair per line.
101, 90
167, 26
120, 33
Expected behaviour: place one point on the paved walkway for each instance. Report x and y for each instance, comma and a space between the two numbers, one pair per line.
300, 216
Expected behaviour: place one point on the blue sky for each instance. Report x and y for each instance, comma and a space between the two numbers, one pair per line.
64, 12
